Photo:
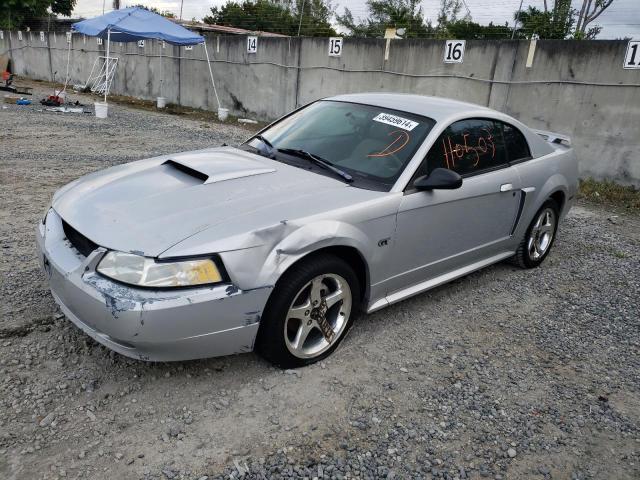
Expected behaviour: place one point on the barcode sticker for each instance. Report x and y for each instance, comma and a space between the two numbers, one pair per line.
400, 122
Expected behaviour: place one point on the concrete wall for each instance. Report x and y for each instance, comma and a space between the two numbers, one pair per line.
576, 88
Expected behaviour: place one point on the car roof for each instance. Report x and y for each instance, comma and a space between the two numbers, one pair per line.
437, 108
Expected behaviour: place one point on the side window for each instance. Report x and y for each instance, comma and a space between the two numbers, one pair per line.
517, 146
467, 147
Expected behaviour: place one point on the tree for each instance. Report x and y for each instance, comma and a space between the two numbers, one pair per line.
469, 30
590, 10
448, 14
21, 13
560, 20
385, 14
166, 13
283, 17
556, 23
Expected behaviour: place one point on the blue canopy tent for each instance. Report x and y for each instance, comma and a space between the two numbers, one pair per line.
136, 23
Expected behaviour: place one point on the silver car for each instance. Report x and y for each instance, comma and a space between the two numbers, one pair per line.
346, 205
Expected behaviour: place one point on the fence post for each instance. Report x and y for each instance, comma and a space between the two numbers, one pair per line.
299, 40
49, 55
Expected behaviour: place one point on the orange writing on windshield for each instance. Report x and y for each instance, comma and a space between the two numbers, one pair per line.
398, 144
453, 152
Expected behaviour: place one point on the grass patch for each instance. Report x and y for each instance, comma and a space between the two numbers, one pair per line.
174, 109
610, 193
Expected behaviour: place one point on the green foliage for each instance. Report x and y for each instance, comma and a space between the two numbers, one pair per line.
166, 14
561, 20
17, 14
385, 14
557, 23
268, 16
468, 30
609, 193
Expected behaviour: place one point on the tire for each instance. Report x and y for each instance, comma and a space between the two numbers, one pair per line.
533, 248
293, 330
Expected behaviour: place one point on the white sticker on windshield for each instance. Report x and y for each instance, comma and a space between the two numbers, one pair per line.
389, 119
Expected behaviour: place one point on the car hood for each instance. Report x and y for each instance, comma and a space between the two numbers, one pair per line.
148, 206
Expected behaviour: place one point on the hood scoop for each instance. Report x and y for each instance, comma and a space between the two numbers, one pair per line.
209, 167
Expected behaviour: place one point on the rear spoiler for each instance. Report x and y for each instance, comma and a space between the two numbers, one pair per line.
552, 137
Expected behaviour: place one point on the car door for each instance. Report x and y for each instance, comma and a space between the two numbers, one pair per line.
441, 231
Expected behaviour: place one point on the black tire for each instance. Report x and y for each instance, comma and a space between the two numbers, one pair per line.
523, 257
270, 342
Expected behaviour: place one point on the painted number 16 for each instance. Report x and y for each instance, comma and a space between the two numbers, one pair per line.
454, 51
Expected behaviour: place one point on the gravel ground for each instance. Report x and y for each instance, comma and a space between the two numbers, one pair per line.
505, 373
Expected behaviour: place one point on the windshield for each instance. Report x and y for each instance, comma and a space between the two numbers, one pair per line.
372, 144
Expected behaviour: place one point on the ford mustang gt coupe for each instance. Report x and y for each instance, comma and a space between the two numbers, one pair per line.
346, 205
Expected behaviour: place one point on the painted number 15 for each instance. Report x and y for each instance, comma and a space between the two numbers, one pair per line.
335, 46
632, 58
454, 51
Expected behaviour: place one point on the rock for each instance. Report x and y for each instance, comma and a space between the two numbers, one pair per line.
512, 452
47, 420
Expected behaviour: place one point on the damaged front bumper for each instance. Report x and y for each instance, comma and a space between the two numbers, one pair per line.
155, 325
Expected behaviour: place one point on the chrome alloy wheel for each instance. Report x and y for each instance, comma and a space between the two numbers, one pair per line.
541, 234
318, 316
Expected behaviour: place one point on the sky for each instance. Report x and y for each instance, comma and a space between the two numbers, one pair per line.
620, 20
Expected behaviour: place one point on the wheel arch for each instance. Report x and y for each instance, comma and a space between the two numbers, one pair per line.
560, 197
352, 257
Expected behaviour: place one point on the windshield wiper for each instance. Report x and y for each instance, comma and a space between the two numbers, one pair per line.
317, 160
270, 146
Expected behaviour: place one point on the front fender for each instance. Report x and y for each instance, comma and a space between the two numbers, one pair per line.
285, 244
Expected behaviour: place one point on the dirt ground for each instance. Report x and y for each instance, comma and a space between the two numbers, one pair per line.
505, 373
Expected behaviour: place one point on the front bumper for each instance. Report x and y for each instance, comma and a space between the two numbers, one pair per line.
155, 325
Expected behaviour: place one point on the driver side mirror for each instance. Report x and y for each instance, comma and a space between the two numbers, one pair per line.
439, 179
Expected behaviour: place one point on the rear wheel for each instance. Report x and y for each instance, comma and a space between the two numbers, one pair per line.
538, 239
309, 312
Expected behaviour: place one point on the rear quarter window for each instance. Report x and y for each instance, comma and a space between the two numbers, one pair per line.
515, 143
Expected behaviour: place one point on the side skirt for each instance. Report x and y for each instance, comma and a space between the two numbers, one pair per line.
434, 282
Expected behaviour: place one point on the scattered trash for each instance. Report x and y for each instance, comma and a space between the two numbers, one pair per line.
223, 113
51, 101
67, 110
102, 109
7, 77
247, 120
23, 101
11, 99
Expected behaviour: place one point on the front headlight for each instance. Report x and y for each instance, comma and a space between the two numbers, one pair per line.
147, 272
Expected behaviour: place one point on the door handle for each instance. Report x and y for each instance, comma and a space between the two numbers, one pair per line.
506, 187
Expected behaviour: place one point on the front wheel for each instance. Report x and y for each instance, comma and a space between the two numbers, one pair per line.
309, 312
539, 237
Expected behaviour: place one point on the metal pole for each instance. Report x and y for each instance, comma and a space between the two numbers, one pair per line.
181, 3
161, 64
106, 67
301, 12
206, 52
515, 25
